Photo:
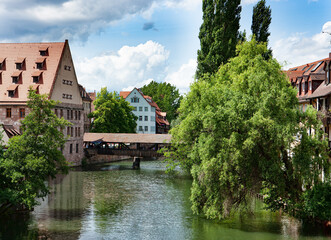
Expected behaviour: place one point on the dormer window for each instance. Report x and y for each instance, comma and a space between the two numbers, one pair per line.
34, 88
20, 63
12, 91
135, 100
2, 64
37, 77
40, 63
43, 51
16, 77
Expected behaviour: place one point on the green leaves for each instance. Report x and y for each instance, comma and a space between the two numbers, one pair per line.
241, 132
112, 114
34, 156
166, 96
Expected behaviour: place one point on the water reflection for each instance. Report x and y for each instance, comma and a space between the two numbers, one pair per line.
115, 202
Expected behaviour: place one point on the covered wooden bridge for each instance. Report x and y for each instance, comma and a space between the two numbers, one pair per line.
125, 144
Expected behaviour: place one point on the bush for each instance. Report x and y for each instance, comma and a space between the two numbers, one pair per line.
317, 202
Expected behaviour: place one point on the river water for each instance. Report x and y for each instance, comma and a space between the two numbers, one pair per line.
113, 201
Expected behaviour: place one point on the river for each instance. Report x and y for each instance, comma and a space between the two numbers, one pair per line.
112, 201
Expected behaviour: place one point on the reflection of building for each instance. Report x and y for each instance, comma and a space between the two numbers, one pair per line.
313, 83
47, 68
150, 118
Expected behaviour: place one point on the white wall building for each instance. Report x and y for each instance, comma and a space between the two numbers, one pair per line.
144, 109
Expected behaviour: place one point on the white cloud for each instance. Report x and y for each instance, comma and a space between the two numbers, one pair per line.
129, 67
49, 20
183, 77
300, 49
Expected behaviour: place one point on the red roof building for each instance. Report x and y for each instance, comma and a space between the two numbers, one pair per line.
150, 117
47, 68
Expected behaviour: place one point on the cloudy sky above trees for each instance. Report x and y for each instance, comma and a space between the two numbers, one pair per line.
128, 43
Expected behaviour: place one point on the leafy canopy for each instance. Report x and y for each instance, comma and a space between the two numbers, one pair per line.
260, 21
166, 96
34, 156
112, 114
241, 132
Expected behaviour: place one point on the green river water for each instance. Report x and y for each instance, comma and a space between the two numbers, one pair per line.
113, 201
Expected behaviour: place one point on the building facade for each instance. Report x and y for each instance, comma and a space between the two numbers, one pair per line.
313, 83
47, 68
150, 118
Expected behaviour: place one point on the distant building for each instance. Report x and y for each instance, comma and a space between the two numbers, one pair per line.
313, 83
49, 69
150, 118
87, 104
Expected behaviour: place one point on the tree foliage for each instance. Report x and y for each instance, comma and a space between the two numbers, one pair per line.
112, 114
218, 34
166, 96
241, 132
34, 156
260, 21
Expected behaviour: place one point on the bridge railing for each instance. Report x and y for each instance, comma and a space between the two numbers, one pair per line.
128, 152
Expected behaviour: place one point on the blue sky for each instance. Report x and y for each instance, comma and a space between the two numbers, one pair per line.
127, 43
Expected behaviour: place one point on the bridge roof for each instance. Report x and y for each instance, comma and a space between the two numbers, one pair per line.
127, 137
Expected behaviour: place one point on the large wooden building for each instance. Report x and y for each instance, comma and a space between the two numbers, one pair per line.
49, 69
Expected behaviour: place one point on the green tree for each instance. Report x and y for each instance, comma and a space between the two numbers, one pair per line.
166, 96
241, 132
260, 21
219, 34
112, 114
34, 156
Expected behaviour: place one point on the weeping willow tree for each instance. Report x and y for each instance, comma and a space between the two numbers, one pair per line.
241, 133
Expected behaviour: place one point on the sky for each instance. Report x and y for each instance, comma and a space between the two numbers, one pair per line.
122, 44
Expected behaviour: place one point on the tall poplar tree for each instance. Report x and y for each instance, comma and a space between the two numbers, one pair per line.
219, 34
260, 21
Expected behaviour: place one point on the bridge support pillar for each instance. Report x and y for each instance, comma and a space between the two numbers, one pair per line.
136, 163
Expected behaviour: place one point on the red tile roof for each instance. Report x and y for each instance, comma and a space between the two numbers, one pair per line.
125, 94
30, 52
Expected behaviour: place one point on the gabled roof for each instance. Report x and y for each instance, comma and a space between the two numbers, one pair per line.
85, 96
125, 94
13, 53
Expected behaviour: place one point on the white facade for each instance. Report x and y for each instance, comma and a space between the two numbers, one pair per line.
144, 111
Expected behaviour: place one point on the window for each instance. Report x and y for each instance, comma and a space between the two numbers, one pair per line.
146, 118
67, 82
15, 80
140, 109
70, 148
78, 115
146, 109
61, 112
152, 110
66, 67
152, 129
8, 112
152, 118
66, 96
68, 131
77, 148
43, 53
303, 87
140, 128
39, 65
78, 131
140, 118
68, 114
55, 111
19, 66
71, 114
11, 94
22, 112
134, 108
35, 79
72, 131
134, 100
310, 85
146, 128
